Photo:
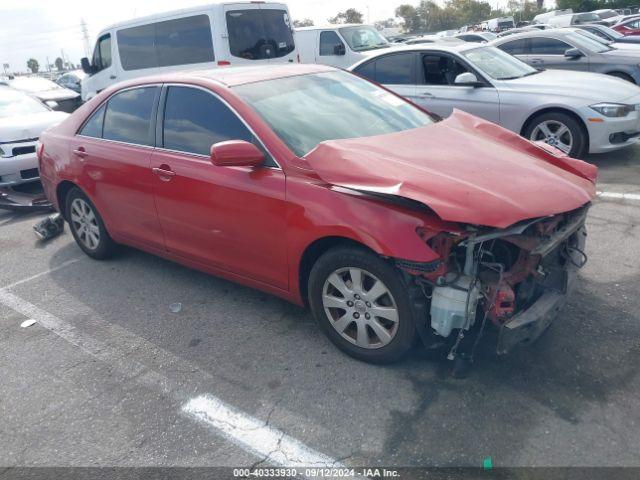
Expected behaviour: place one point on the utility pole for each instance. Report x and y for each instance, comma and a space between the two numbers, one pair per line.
85, 38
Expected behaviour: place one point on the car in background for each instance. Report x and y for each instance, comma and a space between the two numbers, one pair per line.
337, 45
210, 36
608, 16
608, 33
353, 202
513, 31
566, 49
478, 37
22, 120
574, 19
544, 17
628, 27
71, 80
50, 93
634, 47
575, 112
431, 39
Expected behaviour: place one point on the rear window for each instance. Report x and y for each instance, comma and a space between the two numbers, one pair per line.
258, 34
180, 41
128, 116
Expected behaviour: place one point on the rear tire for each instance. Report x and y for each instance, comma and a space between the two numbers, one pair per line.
87, 227
363, 305
560, 130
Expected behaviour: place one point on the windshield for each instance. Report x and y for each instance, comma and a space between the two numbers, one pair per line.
33, 84
308, 109
607, 14
585, 17
582, 41
14, 103
497, 64
489, 35
363, 38
593, 36
258, 34
609, 31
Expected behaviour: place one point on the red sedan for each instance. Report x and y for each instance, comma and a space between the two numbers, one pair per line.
327, 190
628, 27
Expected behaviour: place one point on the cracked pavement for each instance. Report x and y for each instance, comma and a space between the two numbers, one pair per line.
571, 399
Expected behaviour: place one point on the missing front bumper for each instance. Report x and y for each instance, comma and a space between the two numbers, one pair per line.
27, 200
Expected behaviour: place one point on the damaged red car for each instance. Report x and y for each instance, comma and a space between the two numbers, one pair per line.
327, 190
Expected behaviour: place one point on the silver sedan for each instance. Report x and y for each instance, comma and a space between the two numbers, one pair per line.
576, 112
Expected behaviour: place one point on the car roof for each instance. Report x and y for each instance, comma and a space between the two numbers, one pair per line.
550, 32
234, 76
454, 47
331, 26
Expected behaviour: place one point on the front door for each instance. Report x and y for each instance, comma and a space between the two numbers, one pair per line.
226, 217
437, 92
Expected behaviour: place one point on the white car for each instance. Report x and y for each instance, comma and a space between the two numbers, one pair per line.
22, 120
577, 112
55, 96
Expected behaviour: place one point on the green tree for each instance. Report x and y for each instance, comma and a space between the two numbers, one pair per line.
388, 23
33, 65
411, 22
350, 15
306, 22
59, 63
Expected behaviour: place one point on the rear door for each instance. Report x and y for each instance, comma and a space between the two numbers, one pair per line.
258, 31
549, 52
437, 92
231, 218
396, 71
114, 150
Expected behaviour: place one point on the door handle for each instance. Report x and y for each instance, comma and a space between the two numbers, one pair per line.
80, 152
426, 95
165, 174
537, 60
112, 77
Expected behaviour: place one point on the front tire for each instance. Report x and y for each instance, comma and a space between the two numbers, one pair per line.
87, 227
559, 130
362, 304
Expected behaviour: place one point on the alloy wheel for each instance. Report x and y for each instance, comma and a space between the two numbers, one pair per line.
360, 307
85, 224
555, 133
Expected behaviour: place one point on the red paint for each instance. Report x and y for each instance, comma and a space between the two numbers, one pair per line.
625, 29
253, 224
236, 153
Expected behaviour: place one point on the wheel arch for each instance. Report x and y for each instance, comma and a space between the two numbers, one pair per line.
62, 190
622, 75
566, 111
314, 251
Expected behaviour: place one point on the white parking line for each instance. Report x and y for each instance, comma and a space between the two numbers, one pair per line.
41, 274
255, 436
619, 196
272, 446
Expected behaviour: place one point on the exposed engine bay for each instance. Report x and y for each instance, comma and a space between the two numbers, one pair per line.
515, 279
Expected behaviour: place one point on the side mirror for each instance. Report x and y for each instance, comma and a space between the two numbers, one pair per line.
467, 79
573, 53
236, 153
339, 50
86, 65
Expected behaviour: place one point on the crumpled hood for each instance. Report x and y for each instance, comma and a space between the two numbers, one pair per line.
25, 127
464, 168
562, 83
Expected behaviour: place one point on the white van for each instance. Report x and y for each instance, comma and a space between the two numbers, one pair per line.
337, 45
195, 38
544, 17
574, 19
500, 24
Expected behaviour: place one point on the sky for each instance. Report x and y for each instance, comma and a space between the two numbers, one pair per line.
46, 28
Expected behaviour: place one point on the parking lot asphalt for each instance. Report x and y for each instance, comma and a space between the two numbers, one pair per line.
105, 376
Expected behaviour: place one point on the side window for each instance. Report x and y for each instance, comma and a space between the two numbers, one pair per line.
548, 46
367, 70
329, 40
515, 47
93, 127
180, 41
441, 69
128, 116
396, 69
102, 53
194, 120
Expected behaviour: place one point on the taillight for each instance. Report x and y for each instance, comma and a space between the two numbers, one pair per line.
223, 63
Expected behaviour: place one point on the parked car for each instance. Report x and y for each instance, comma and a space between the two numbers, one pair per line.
355, 202
500, 24
616, 46
431, 39
219, 34
72, 80
574, 19
478, 37
50, 93
337, 45
598, 116
608, 33
544, 17
628, 27
22, 120
513, 31
608, 16
566, 49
